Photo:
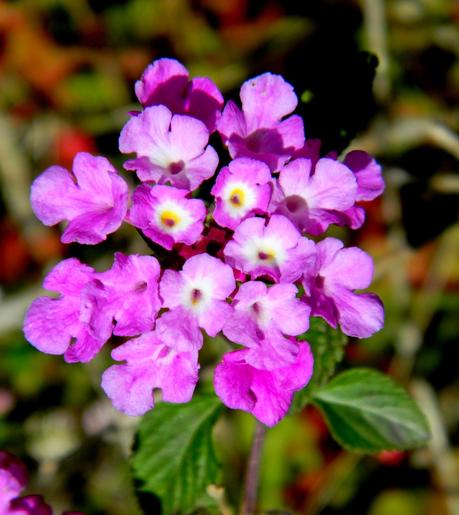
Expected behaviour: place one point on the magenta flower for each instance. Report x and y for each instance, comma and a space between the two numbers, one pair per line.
259, 131
267, 394
167, 82
330, 290
276, 250
313, 201
261, 318
113, 297
51, 324
241, 189
201, 289
149, 364
166, 215
166, 152
93, 199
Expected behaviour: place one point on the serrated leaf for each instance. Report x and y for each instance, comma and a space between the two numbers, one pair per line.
368, 411
327, 345
175, 457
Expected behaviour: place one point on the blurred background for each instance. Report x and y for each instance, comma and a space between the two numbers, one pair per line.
382, 76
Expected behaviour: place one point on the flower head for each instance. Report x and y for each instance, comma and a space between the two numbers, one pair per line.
166, 152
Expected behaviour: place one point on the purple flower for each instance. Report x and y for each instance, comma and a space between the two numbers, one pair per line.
93, 199
170, 148
125, 298
241, 189
330, 290
201, 289
167, 82
261, 318
267, 394
149, 364
166, 216
276, 250
51, 324
313, 201
258, 131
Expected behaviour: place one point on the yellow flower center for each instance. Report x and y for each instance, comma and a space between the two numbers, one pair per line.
169, 219
267, 256
237, 197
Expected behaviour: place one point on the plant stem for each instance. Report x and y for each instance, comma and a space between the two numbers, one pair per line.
252, 472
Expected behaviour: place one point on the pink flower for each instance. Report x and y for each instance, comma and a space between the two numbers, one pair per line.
113, 298
93, 199
258, 131
267, 394
51, 324
242, 189
166, 216
167, 82
276, 250
313, 201
201, 289
330, 289
149, 364
261, 319
170, 148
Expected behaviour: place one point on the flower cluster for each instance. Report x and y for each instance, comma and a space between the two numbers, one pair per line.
241, 262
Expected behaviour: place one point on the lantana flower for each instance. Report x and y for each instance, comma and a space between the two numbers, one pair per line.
201, 289
166, 216
61, 325
149, 364
166, 154
167, 82
330, 289
243, 188
276, 249
262, 318
260, 131
267, 394
313, 198
113, 297
93, 199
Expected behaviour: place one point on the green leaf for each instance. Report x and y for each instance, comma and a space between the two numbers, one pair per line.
175, 457
327, 345
367, 411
